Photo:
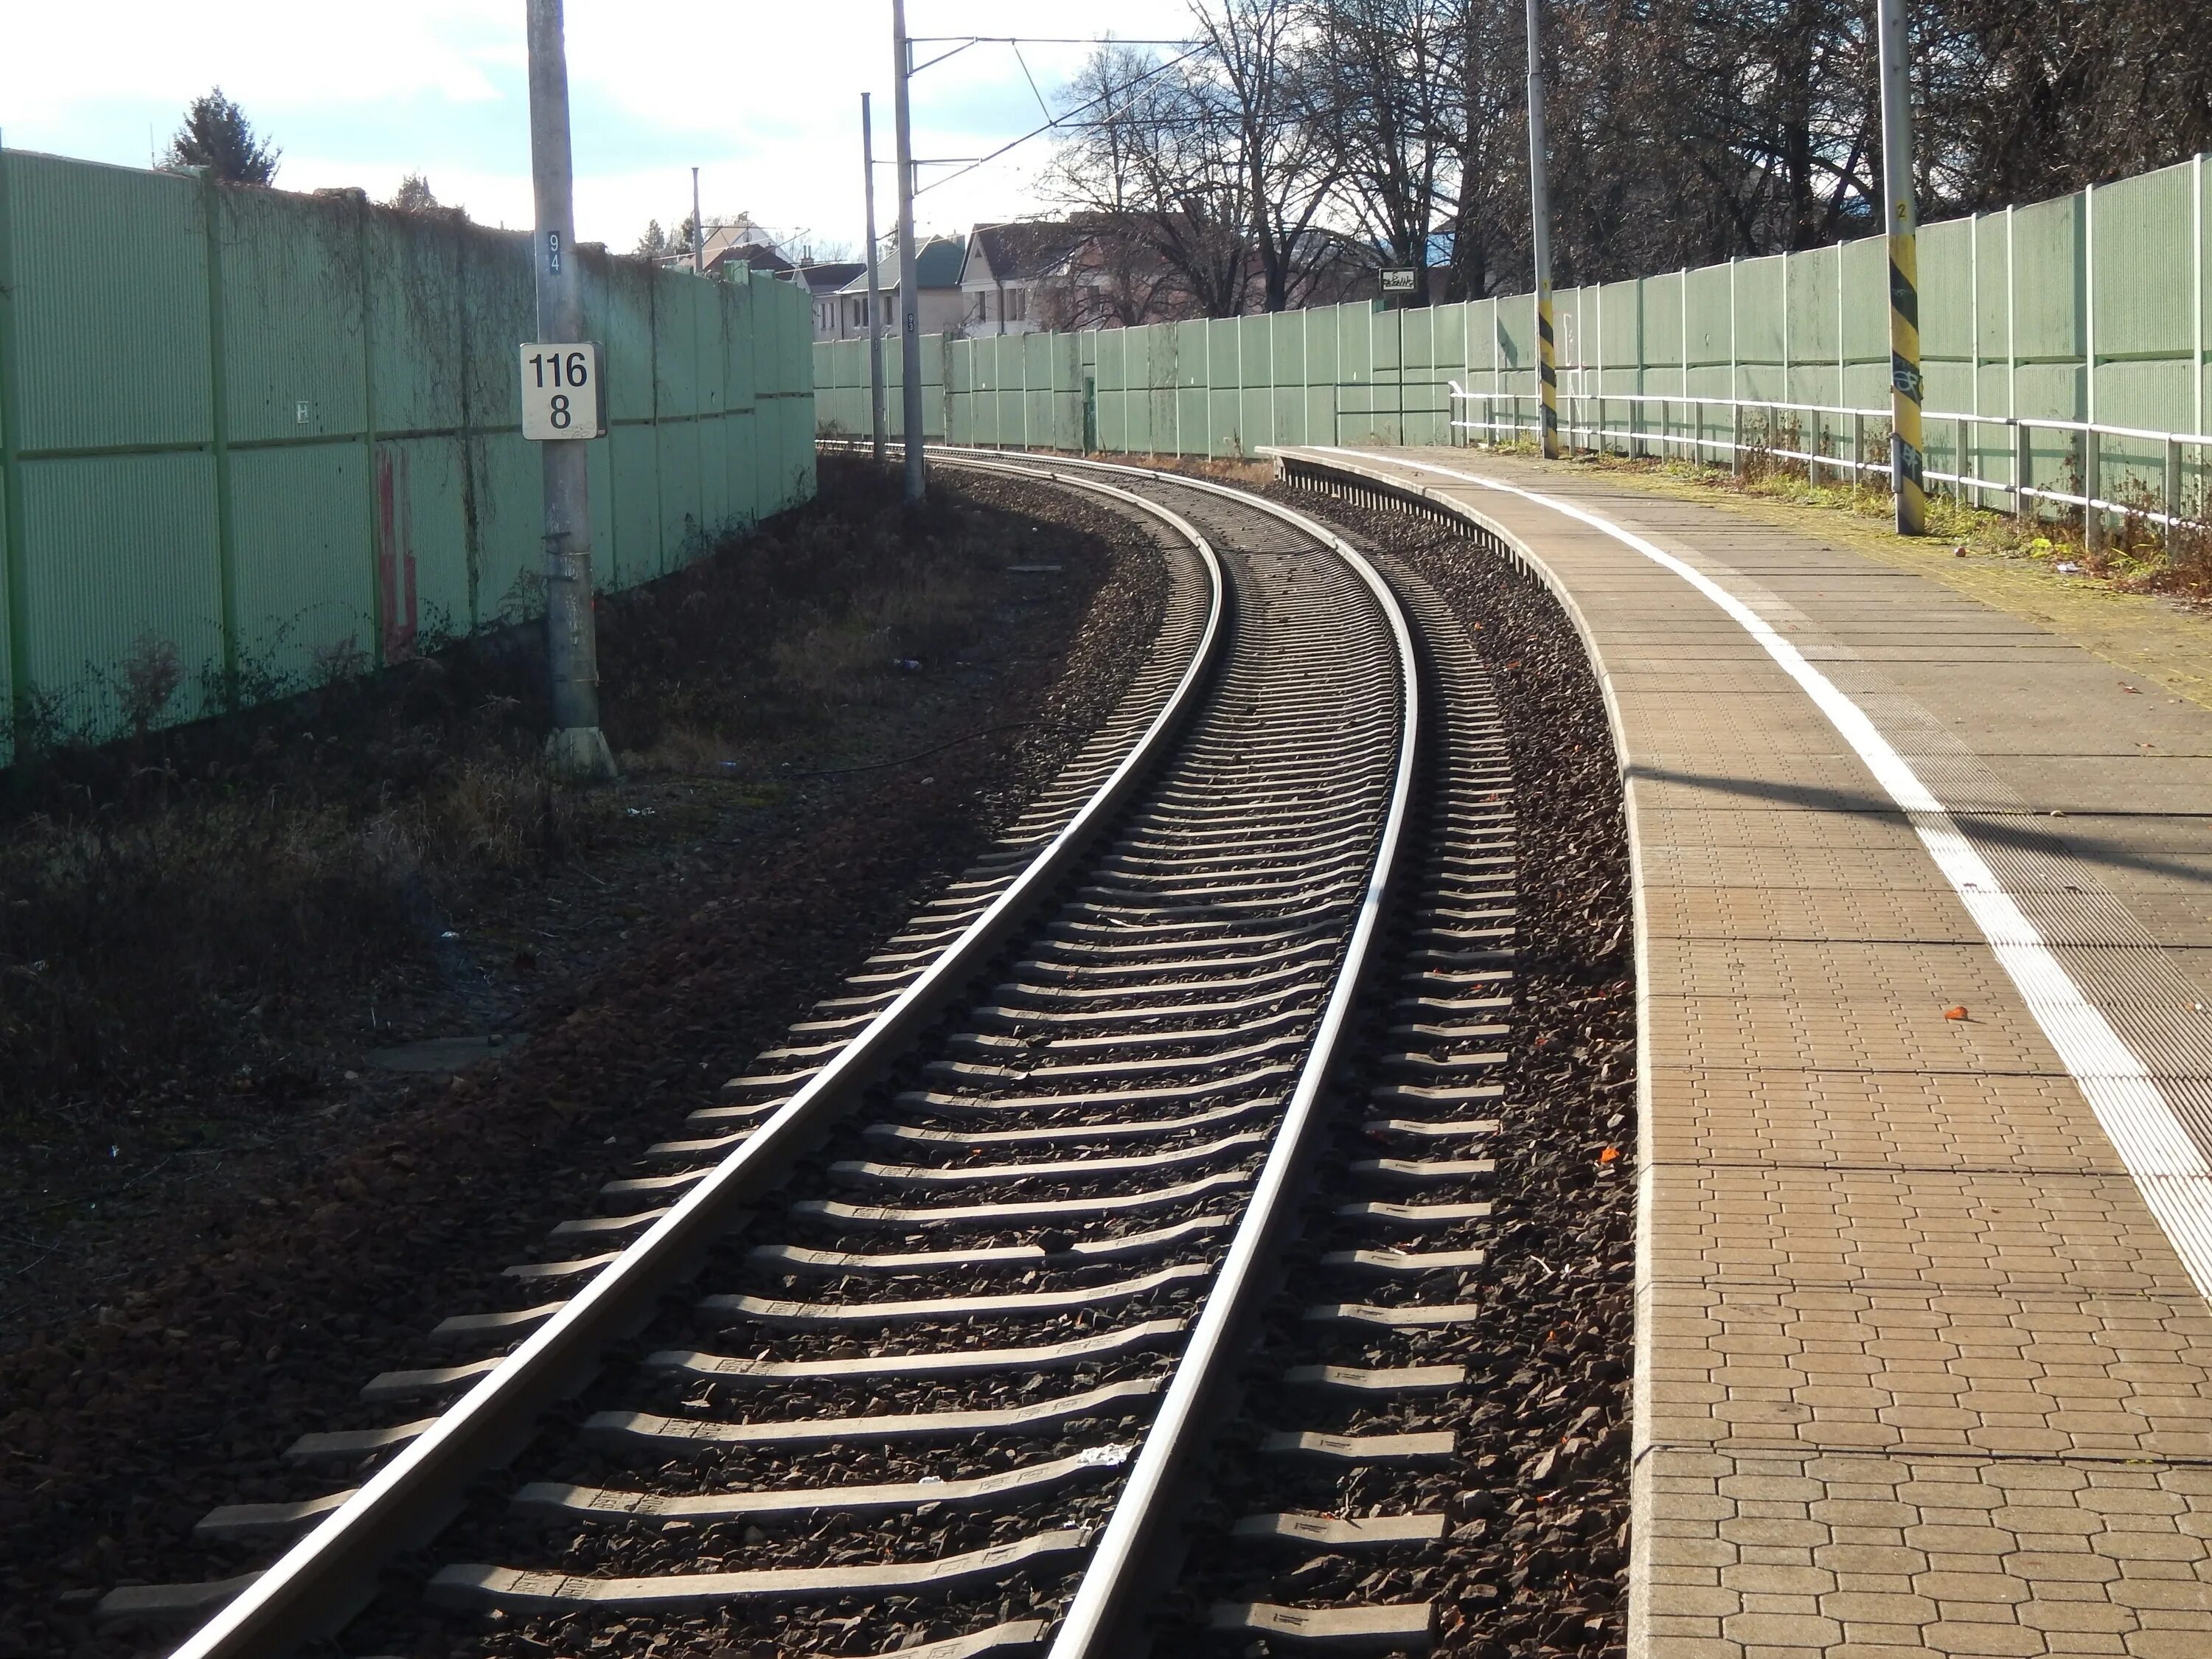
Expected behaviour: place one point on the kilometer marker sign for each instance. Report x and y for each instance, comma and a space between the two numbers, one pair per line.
561, 390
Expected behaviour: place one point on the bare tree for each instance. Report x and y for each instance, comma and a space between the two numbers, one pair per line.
1681, 132
1262, 58
1388, 82
1146, 156
1116, 279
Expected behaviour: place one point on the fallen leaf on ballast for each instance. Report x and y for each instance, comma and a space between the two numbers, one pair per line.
1954, 1013
1608, 1155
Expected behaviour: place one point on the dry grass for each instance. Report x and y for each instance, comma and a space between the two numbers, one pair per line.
155, 893
2141, 556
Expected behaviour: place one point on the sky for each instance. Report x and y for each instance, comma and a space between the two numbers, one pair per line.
762, 95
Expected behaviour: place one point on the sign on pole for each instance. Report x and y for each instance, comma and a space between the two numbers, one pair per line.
1398, 280
561, 390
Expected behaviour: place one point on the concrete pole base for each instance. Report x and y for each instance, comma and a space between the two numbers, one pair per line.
578, 753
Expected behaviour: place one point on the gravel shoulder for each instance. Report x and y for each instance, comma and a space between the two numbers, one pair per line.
1536, 1563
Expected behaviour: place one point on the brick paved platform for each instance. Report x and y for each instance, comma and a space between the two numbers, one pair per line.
1925, 1362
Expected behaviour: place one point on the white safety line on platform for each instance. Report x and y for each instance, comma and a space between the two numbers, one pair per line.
2134, 1112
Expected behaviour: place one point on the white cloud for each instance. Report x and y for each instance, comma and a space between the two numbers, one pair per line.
270, 53
763, 95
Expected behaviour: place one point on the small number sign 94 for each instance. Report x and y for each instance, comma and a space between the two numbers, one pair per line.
561, 390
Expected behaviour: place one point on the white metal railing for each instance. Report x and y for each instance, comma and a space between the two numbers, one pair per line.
1689, 438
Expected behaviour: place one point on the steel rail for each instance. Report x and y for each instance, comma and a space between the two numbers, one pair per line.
324, 1579
1107, 1597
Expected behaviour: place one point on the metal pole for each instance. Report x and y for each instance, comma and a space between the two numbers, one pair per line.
2093, 452
698, 230
909, 297
875, 290
1540, 245
1904, 226
576, 748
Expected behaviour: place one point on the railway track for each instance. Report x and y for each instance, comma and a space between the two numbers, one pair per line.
1167, 1128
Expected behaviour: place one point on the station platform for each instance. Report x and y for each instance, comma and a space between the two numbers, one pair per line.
1923, 902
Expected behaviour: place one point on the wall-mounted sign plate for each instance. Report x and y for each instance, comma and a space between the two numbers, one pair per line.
561, 391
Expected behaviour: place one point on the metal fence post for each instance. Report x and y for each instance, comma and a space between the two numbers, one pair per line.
1736, 438
2023, 456
2093, 472
15, 555
2172, 493
226, 537
873, 254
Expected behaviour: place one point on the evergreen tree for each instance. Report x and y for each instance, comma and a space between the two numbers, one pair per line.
413, 195
217, 136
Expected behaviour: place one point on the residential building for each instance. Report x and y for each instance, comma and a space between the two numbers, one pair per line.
1005, 268
822, 281
936, 278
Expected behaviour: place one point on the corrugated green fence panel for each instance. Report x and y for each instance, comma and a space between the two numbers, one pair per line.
1220, 383
2007, 303
1946, 334
1992, 389
1166, 376
100, 529
675, 375
1255, 381
2140, 296
716, 509
1286, 357
294, 374
2200, 406
1663, 351
1568, 345
2049, 316
1111, 375
1482, 344
1815, 342
1355, 349
1866, 323
1040, 428
1760, 320
1515, 316
151, 519
1620, 335
740, 439
1709, 292
629, 293
88, 323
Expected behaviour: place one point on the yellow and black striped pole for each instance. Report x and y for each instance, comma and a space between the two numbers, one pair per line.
1539, 248
1905, 464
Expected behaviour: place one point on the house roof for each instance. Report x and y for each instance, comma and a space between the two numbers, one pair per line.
826, 276
1022, 250
758, 257
936, 264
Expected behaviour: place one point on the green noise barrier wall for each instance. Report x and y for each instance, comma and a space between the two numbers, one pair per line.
2090, 308
278, 436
